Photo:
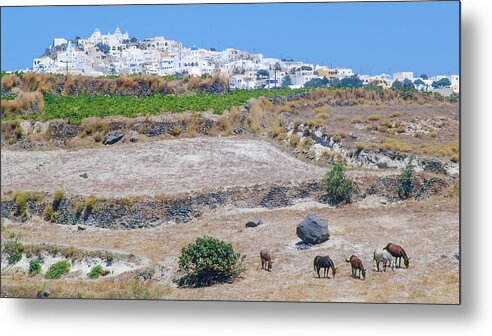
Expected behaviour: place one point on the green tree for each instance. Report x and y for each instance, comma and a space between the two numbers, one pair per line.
338, 187
418, 82
286, 82
442, 83
405, 179
424, 76
407, 85
348, 82
316, 82
208, 261
397, 85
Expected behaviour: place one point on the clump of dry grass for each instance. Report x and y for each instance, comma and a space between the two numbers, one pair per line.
294, 140
373, 117
394, 145
10, 81
91, 126
394, 114
192, 125
356, 120
176, 130
450, 150
25, 103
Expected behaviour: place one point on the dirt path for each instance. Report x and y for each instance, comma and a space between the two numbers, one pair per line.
157, 168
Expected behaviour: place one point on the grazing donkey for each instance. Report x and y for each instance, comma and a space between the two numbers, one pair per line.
326, 263
266, 259
398, 252
356, 264
385, 257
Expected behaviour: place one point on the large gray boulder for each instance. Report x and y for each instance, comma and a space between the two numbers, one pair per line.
313, 230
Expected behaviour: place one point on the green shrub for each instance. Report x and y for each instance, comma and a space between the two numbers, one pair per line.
58, 269
208, 261
405, 180
34, 267
13, 249
97, 271
338, 187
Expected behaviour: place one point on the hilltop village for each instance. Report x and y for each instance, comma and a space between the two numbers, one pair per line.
118, 54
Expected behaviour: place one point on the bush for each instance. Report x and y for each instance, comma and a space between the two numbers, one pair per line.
34, 267
338, 187
405, 180
58, 269
97, 271
208, 261
13, 249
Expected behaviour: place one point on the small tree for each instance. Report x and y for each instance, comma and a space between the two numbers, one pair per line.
405, 180
442, 83
407, 84
397, 85
338, 187
286, 82
208, 261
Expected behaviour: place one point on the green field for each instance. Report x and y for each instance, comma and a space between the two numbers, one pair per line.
75, 109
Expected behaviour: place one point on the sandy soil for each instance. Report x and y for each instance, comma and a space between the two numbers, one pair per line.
157, 168
429, 231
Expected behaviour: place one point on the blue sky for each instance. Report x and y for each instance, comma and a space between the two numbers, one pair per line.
367, 37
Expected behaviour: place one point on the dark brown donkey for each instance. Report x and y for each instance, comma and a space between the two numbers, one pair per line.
398, 252
356, 264
266, 259
326, 263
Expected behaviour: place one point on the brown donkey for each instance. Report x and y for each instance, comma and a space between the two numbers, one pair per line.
266, 259
356, 264
398, 252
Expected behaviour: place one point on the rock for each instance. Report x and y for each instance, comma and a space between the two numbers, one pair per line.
81, 228
254, 223
43, 293
313, 230
383, 201
40, 127
156, 223
134, 137
84, 175
112, 138
26, 127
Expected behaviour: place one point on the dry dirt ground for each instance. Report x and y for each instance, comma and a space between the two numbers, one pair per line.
428, 229
156, 168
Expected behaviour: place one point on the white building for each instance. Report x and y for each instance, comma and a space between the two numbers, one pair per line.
401, 76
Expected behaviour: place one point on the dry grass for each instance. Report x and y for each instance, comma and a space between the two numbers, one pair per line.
373, 117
